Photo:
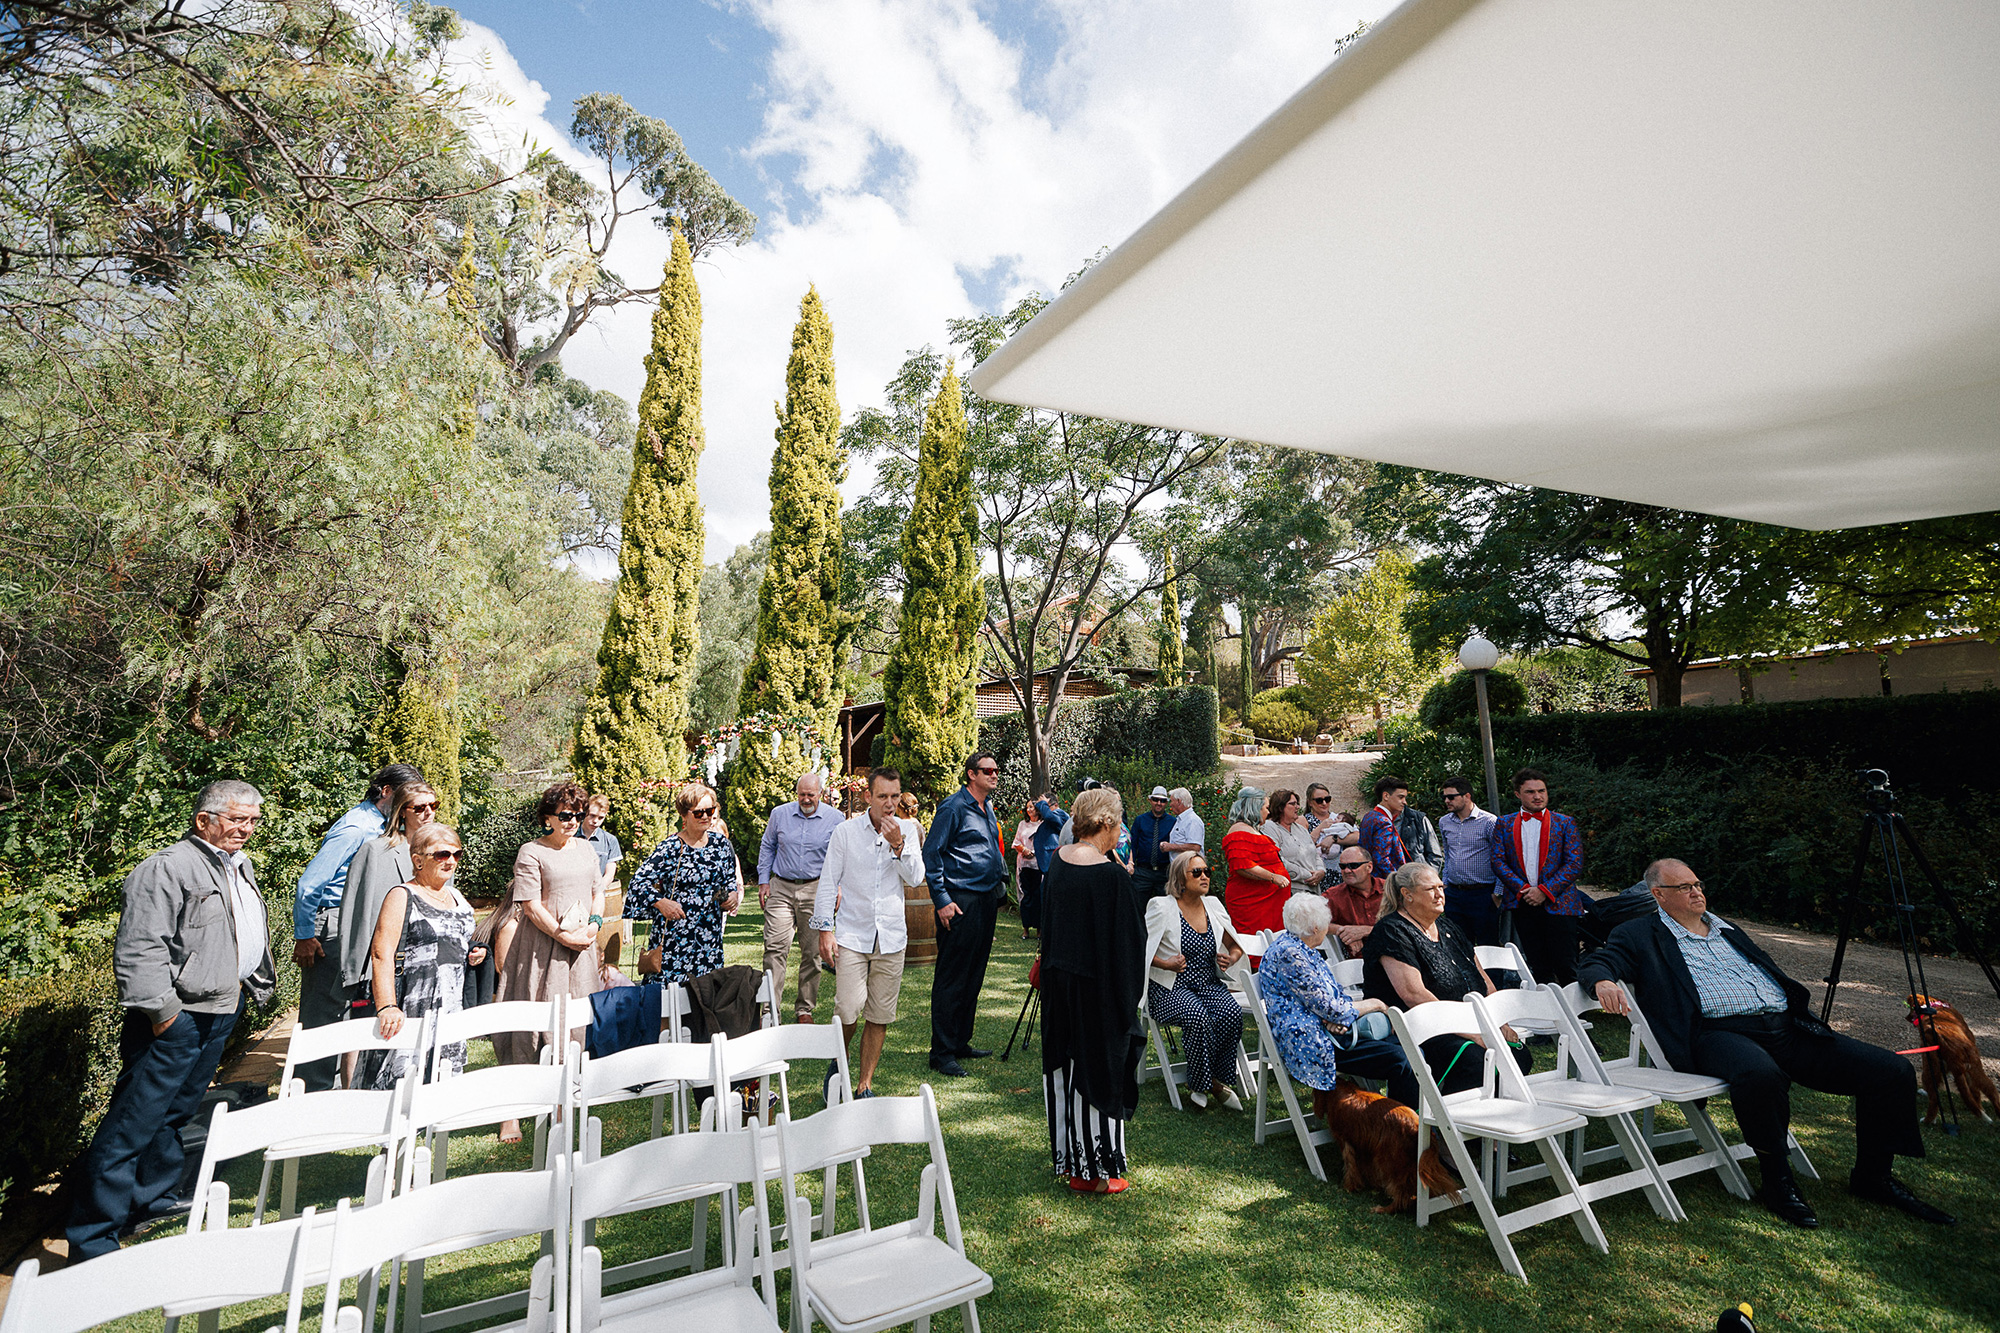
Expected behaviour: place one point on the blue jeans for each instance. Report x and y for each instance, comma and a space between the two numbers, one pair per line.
1372, 1058
134, 1161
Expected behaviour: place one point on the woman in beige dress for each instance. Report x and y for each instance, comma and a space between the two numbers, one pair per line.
560, 906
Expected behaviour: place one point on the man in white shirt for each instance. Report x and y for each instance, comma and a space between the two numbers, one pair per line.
869, 861
1188, 835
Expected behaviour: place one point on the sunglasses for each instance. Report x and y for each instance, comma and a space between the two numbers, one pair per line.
1352, 865
986, 772
1322, 800
1199, 873
426, 809
706, 812
569, 816
449, 854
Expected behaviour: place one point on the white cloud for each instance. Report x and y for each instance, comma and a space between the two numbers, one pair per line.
909, 143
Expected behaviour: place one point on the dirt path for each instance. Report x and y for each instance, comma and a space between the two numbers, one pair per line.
1340, 772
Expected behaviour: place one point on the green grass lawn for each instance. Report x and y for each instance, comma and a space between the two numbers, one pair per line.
1217, 1233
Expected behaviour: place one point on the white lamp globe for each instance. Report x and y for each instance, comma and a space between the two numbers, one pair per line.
1477, 654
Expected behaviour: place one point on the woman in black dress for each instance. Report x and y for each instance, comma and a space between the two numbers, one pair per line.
1093, 970
1417, 954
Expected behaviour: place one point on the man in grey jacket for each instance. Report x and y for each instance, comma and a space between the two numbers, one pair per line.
192, 942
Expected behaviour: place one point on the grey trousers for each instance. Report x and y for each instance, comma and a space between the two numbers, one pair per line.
323, 997
788, 914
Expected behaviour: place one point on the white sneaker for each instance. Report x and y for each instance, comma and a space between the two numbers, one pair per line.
1199, 1099
1230, 1099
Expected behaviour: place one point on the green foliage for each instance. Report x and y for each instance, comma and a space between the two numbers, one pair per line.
931, 724
54, 926
1166, 730
491, 843
1358, 657
419, 724
802, 630
729, 594
1578, 680
1168, 658
1452, 705
58, 1061
1280, 720
634, 725
1247, 675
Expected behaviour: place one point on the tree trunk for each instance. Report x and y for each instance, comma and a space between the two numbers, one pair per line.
1667, 682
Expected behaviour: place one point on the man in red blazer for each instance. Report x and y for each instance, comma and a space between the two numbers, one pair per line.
1537, 856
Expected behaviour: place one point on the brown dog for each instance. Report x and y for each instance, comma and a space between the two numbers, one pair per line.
1378, 1146
1960, 1058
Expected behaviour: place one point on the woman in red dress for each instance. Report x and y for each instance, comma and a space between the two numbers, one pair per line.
1258, 885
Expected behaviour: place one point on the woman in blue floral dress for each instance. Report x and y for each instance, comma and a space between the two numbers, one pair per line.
686, 888
1305, 1005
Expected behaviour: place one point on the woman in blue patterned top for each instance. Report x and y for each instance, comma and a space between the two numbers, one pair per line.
686, 888
1305, 1005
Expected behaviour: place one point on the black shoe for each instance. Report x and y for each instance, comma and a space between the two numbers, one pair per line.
1891, 1191
973, 1053
1782, 1197
161, 1210
949, 1068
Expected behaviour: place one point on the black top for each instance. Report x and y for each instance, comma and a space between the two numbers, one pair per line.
1093, 972
1448, 967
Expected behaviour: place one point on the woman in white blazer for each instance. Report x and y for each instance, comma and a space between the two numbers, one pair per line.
1193, 941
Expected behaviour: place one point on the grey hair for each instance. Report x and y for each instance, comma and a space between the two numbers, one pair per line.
219, 795
1401, 880
1655, 871
1248, 807
1306, 913
812, 777
1181, 794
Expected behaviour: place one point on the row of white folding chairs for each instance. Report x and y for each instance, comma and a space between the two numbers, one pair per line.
868, 1278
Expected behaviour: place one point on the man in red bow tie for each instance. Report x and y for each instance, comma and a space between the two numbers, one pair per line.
1537, 856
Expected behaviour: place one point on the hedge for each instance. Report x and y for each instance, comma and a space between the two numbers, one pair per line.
1175, 730
1762, 799
58, 1061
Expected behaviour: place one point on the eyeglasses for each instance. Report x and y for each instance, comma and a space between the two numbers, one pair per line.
1202, 873
569, 816
233, 821
427, 809
1352, 865
706, 812
1693, 887
1453, 795
445, 854
986, 772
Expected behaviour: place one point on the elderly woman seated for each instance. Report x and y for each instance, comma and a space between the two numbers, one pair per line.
1312, 1018
1415, 955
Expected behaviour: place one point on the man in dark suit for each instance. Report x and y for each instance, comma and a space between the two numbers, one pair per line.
1719, 1006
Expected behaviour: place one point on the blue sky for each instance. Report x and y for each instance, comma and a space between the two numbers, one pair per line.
915, 160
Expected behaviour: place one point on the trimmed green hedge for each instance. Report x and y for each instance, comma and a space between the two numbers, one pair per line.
1761, 799
58, 1061
1176, 730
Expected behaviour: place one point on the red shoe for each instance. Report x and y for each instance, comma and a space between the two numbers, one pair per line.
1082, 1186
1118, 1185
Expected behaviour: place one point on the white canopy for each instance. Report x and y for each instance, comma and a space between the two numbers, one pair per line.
1741, 258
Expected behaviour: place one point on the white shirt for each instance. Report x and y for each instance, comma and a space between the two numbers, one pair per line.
868, 880
246, 907
1188, 828
1531, 850
1295, 849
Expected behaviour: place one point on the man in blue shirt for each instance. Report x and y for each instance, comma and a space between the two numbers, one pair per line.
1149, 830
1469, 896
788, 865
963, 867
316, 912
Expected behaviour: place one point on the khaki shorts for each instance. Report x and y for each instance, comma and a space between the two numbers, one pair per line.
866, 984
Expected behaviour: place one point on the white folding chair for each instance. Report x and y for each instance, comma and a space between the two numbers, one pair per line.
1154, 1057
1509, 958
1270, 1071
877, 1277
683, 1168
1645, 1047
547, 1019
445, 1218
290, 1128
201, 1270
1482, 1114
310, 1044
759, 1056
1590, 1098
659, 1070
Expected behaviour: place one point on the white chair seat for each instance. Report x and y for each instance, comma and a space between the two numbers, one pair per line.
864, 1286
723, 1309
1511, 1121
1593, 1098
1667, 1084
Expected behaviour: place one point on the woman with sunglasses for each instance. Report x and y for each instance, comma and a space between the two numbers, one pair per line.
380, 866
559, 900
1193, 942
423, 945
685, 888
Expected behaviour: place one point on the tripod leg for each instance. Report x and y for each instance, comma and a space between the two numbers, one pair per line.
1966, 939
1032, 992
1847, 914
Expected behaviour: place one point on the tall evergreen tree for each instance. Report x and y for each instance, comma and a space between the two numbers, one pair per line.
1172, 661
1246, 665
802, 632
932, 724
634, 726
419, 724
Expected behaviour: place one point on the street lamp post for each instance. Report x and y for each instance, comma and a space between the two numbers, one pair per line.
1479, 656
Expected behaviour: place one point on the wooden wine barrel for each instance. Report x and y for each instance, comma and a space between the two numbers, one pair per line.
921, 919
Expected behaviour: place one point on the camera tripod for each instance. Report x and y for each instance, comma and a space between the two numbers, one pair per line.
1031, 1009
1881, 818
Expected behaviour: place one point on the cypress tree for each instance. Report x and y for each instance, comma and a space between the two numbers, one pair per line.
802, 632
1172, 663
1246, 679
419, 724
931, 724
634, 725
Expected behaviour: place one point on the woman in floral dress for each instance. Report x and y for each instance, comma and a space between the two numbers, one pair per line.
686, 888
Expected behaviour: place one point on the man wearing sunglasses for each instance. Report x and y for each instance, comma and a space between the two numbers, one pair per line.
1469, 896
966, 875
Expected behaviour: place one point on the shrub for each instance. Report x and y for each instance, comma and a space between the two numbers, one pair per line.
1577, 680
58, 1062
1279, 720
490, 847
1452, 705
1176, 730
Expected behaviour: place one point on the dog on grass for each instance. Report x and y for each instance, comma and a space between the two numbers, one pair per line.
1957, 1057
1378, 1146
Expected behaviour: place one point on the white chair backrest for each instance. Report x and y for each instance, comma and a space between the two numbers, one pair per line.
207, 1269
484, 1020
668, 1166
793, 1041
622, 1073
1257, 945
1506, 958
840, 1132
349, 1035
1512, 1006
1348, 973
1436, 1019
505, 1092
337, 1117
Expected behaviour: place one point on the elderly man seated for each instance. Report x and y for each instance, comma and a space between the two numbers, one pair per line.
1719, 1006
1307, 1008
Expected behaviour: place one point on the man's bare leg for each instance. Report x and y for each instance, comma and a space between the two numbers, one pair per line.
872, 1037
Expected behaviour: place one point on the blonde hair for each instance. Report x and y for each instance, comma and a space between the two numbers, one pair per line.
406, 796
1096, 810
1401, 880
1177, 873
431, 834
